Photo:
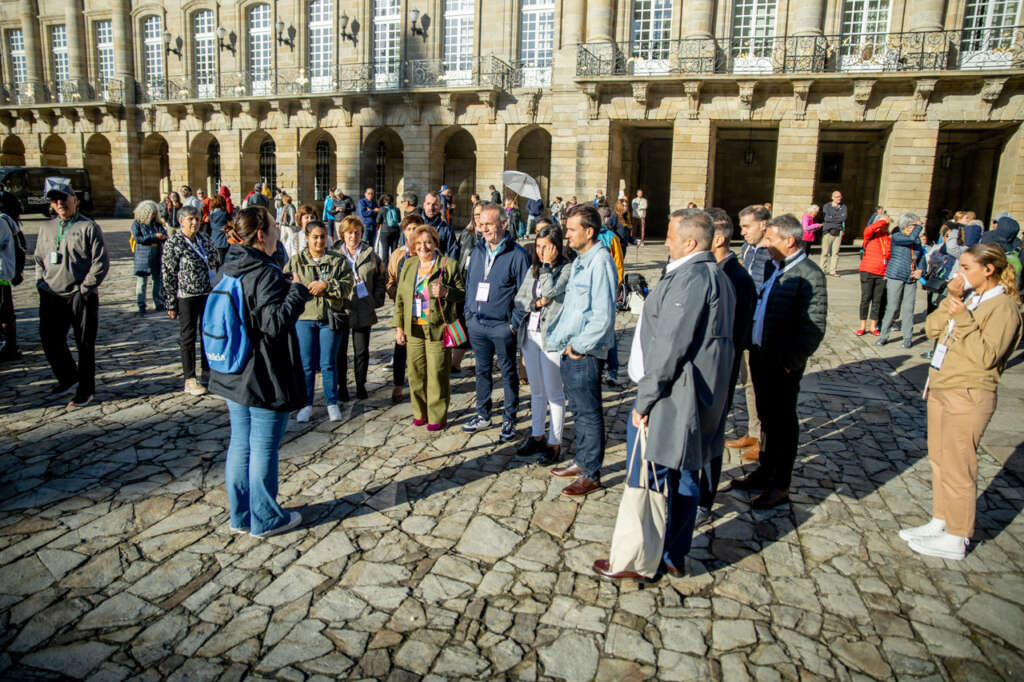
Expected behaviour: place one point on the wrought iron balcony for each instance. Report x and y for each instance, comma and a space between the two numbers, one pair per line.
528, 73
110, 90
997, 48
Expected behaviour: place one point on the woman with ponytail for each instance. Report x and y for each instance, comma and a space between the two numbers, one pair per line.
977, 326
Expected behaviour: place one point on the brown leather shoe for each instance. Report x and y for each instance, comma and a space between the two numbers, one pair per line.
675, 572
770, 498
740, 443
571, 471
751, 454
581, 486
602, 568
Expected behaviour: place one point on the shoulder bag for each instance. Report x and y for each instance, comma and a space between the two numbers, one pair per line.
639, 536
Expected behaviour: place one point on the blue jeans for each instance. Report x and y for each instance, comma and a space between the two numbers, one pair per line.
683, 493
318, 340
250, 472
900, 295
612, 361
581, 379
369, 233
488, 341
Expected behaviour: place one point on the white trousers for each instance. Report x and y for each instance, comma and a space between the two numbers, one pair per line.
546, 394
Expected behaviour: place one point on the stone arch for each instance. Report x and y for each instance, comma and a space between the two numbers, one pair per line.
455, 158
12, 153
204, 163
156, 167
382, 163
318, 167
99, 164
529, 151
254, 146
54, 152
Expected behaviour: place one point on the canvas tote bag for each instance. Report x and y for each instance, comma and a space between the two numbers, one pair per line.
639, 537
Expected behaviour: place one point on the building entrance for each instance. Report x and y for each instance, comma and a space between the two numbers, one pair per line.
744, 167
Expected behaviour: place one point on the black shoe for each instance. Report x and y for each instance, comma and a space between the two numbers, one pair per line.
754, 481
343, 396
11, 356
63, 389
908, 344
551, 456
530, 446
508, 430
361, 393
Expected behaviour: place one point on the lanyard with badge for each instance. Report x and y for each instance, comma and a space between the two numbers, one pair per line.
55, 255
417, 302
201, 252
361, 291
483, 289
939, 354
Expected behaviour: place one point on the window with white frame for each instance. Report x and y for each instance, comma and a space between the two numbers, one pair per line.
61, 67
268, 163
458, 41
204, 55
260, 41
386, 44
864, 30
153, 54
321, 44
16, 48
753, 35
988, 33
104, 51
536, 41
652, 23
322, 171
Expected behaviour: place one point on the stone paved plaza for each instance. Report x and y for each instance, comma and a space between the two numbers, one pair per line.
446, 556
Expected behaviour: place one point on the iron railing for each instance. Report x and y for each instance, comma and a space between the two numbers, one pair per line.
109, 90
971, 49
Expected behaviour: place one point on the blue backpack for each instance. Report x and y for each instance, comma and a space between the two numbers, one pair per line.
225, 339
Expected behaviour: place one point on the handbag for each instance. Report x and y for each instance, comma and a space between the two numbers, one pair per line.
452, 335
639, 537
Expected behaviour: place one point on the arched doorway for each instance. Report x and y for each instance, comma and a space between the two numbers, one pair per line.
259, 161
459, 173
532, 155
55, 152
317, 168
382, 165
101, 175
13, 152
204, 163
156, 167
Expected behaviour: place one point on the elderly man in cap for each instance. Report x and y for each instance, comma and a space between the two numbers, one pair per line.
71, 262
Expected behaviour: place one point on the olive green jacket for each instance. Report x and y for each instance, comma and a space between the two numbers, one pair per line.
362, 312
332, 269
445, 268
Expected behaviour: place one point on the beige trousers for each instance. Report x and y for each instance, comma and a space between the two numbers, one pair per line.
753, 423
830, 244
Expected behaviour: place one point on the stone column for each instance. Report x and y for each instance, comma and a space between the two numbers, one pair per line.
907, 165
806, 17
1009, 195
599, 21
490, 155
564, 62
33, 52
699, 19
124, 69
796, 164
925, 15
76, 49
692, 160
593, 150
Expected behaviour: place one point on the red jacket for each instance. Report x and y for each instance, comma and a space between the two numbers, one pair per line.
877, 248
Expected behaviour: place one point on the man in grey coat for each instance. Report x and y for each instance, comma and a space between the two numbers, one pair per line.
684, 341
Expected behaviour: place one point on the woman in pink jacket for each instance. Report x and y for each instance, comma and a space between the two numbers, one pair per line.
810, 227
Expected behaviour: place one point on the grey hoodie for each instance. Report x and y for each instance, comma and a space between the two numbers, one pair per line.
83, 261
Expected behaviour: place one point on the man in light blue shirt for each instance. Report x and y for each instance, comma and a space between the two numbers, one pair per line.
583, 332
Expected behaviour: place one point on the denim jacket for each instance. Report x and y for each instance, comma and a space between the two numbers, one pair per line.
587, 319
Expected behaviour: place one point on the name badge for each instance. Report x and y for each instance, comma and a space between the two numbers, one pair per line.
534, 324
212, 274
483, 290
417, 308
361, 291
54, 258
939, 355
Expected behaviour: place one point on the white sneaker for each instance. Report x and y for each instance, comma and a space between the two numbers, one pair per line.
944, 546
928, 530
334, 413
193, 387
304, 414
294, 520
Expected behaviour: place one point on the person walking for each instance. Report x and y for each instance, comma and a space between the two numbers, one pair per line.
366, 296
368, 210
71, 263
789, 325
219, 219
495, 195
876, 248
534, 211
399, 358
906, 263
557, 209
834, 214
429, 286
497, 268
810, 227
389, 231
149, 235
639, 210
286, 212
329, 280
540, 299
189, 264
582, 334
293, 235
977, 327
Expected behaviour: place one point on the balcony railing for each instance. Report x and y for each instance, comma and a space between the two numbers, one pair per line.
974, 49
110, 90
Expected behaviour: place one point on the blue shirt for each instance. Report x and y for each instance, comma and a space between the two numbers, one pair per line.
587, 319
366, 213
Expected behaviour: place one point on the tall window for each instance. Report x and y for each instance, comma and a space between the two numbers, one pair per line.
652, 21
322, 170
258, 21
458, 41
268, 162
213, 165
61, 69
536, 39
204, 61
988, 33
153, 54
381, 171
104, 51
16, 48
321, 44
386, 15
753, 36
864, 28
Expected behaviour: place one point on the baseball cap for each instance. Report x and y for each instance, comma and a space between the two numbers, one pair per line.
56, 185
444, 188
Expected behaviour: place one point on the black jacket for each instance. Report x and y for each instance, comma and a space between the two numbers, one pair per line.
746, 299
794, 322
273, 378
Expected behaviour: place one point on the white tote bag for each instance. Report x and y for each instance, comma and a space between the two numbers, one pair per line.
639, 537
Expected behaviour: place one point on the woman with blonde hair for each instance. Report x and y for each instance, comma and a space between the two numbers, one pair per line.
149, 234
810, 227
977, 326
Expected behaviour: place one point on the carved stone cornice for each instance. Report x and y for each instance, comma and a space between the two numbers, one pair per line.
923, 89
593, 93
747, 97
862, 88
532, 104
450, 104
344, 104
692, 90
415, 104
491, 99
991, 89
801, 90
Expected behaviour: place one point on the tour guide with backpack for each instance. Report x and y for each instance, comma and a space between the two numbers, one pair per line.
253, 351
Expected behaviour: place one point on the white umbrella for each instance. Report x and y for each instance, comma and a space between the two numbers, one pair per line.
521, 183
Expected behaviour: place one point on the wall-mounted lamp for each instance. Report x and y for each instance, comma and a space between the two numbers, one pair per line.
414, 15
171, 44
283, 37
222, 33
343, 24
947, 161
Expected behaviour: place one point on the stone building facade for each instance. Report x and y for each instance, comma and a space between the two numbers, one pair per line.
913, 104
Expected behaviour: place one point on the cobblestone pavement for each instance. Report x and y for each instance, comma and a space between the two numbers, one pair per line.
446, 556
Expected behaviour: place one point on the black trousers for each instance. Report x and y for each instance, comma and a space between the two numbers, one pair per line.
7, 320
81, 314
190, 321
872, 288
398, 365
777, 393
361, 351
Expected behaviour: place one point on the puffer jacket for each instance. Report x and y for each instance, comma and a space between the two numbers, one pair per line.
877, 248
148, 246
1005, 235
332, 269
551, 283
906, 255
184, 271
362, 312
